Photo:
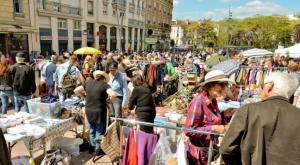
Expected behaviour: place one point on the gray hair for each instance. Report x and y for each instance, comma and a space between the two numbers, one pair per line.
284, 84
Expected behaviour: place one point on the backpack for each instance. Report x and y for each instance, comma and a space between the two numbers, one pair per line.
22, 82
68, 83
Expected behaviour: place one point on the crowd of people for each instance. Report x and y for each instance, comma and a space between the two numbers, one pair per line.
260, 133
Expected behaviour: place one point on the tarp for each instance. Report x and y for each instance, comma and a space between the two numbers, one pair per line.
257, 53
292, 52
228, 67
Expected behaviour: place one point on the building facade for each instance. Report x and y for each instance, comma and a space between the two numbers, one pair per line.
48, 26
59, 25
177, 32
158, 23
17, 29
103, 24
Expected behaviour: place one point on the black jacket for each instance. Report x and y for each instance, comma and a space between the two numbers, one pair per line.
23, 79
141, 97
264, 133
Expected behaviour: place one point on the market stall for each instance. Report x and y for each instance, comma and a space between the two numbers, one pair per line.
34, 131
48, 120
292, 52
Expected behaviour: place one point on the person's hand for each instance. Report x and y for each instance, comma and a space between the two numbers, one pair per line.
229, 112
125, 113
218, 128
55, 93
125, 106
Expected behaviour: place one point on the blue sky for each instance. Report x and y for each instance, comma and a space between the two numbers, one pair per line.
218, 9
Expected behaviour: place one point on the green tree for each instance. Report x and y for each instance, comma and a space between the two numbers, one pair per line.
259, 31
296, 35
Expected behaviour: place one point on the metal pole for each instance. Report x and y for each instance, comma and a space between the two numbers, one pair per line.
211, 145
135, 122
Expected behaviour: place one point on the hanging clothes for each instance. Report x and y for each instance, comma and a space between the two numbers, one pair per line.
151, 77
130, 156
145, 143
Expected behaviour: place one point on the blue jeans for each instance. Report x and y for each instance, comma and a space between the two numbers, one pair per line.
23, 99
96, 130
5, 95
116, 107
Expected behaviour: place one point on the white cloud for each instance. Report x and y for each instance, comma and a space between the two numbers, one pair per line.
227, 1
249, 9
176, 2
223, 1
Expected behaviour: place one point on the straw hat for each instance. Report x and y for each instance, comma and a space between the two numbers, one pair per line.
98, 73
127, 63
216, 76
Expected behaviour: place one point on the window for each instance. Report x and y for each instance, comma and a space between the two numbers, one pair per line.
77, 25
44, 22
18, 6
62, 24
90, 8
90, 29
105, 9
114, 13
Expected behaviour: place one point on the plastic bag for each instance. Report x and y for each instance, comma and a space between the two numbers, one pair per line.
70, 145
56, 157
162, 153
181, 151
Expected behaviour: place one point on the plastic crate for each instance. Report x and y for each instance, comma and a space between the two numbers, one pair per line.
46, 110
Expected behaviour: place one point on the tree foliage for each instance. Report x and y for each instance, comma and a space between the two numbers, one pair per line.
260, 31
296, 35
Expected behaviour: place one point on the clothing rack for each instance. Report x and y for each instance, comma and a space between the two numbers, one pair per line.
260, 67
181, 129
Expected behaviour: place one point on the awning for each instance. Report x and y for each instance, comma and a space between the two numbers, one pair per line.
257, 53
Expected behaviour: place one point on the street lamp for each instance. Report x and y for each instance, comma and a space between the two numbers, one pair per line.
122, 14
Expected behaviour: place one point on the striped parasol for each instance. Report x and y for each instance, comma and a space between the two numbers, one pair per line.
228, 67
257, 53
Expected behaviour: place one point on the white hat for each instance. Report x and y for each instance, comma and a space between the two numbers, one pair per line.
66, 55
127, 62
216, 76
101, 73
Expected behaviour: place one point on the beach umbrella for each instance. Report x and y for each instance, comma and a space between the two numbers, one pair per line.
87, 50
257, 53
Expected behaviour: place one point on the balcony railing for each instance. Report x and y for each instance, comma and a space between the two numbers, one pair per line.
135, 22
119, 3
131, 7
59, 7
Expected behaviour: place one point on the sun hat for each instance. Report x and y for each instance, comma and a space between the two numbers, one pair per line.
127, 63
101, 73
216, 76
66, 55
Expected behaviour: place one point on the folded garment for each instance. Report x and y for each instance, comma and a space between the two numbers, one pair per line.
27, 130
71, 102
223, 106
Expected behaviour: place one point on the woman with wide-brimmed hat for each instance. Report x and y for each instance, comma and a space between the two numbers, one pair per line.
96, 92
204, 115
